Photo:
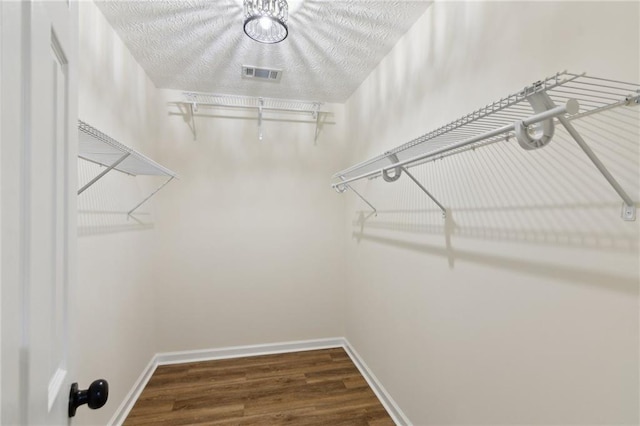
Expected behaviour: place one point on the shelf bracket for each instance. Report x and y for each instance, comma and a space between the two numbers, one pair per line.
397, 171
260, 106
194, 109
347, 186
316, 116
543, 131
149, 196
444, 210
104, 172
628, 207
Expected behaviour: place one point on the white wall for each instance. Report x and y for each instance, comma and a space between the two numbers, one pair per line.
245, 248
529, 315
115, 317
251, 247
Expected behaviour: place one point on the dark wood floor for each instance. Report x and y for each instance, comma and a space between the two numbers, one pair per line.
321, 387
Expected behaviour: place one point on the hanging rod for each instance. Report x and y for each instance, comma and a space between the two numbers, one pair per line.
533, 108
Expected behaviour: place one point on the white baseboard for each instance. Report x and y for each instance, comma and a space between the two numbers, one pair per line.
129, 401
242, 351
181, 357
389, 404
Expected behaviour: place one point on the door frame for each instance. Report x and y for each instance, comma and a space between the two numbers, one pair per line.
1, 97
16, 178
13, 408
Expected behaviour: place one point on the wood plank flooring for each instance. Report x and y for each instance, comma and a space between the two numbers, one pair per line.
321, 387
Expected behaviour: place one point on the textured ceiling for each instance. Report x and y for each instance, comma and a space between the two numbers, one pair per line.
200, 45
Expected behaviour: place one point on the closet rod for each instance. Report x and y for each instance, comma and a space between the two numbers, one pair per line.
571, 107
264, 108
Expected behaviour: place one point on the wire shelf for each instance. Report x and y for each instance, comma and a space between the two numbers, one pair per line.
269, 104
593, 94
99, 148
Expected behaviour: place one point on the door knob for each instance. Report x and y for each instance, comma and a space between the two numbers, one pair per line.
95, 397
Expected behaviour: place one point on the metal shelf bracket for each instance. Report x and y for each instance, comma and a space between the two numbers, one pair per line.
347, 186
104, 172
397, 171
150, 195
316, 116
194, 109
444, 210
260, 106
629, 208
544, 130
628, 212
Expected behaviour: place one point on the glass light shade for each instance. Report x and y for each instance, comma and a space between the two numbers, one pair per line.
265, 21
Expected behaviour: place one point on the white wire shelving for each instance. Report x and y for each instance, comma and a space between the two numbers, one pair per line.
99, 148
528, 116
194, 100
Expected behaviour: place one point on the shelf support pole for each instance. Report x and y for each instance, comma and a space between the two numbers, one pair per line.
194, 109
375, 212
104, 172
629, 208
444, 210
316, 116
260, 105
149, 196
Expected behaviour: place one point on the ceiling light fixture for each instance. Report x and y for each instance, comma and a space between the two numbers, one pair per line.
266, 20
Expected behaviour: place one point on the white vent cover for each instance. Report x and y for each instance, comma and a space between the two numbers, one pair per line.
264, 74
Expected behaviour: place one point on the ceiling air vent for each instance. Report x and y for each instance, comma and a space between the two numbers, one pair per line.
264, 74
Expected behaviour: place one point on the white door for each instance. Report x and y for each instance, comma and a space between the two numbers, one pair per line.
38, 154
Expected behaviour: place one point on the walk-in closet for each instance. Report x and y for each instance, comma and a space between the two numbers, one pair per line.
313, 212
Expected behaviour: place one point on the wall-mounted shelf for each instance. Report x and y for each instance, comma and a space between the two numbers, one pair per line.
195, 100
528, 116
97, 147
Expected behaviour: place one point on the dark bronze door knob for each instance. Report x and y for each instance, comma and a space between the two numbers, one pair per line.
95, 397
